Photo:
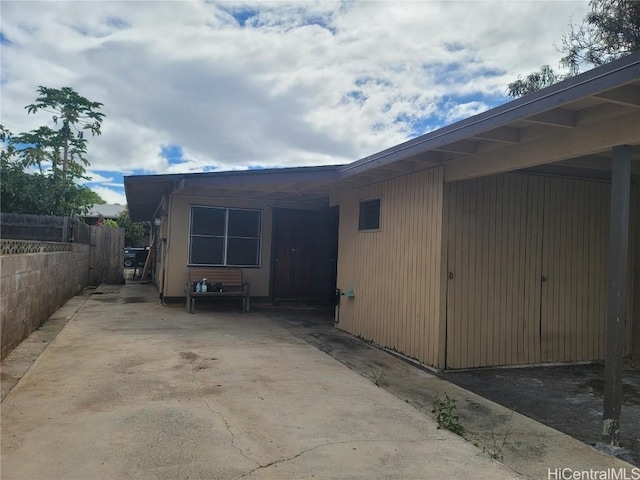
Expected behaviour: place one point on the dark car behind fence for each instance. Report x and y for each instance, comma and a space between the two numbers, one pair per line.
135, 257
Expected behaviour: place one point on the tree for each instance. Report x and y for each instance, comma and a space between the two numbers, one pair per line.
106, 222
609, 31
135, 234
533, 82
41, 168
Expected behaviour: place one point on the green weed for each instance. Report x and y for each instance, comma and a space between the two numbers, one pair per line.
378, 377
445, 412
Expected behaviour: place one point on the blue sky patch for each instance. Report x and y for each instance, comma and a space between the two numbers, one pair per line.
242, 16
3, 39
460, 72
116, 179
355, 96
320, 21
247, 17
173, 154
424, 125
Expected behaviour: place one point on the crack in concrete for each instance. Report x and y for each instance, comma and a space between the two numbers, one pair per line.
228, 427
261, 466
224, 419
339, 442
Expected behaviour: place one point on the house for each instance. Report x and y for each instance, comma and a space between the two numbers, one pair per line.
104, 210
480, 244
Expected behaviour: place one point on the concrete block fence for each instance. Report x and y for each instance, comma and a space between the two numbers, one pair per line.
34, 286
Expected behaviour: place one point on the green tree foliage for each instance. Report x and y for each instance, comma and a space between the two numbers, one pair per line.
41, 168
135, 234
609, 31
106, 222
533, 82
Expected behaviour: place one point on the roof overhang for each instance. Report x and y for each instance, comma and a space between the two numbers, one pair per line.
301, 184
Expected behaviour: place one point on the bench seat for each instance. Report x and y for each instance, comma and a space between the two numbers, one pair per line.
221, 281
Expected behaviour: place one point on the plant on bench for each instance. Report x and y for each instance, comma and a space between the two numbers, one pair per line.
218, 282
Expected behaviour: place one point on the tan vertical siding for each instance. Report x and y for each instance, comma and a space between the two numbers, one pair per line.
574, 261
346, 273
474, 260
527, 263
494, 268
395, 272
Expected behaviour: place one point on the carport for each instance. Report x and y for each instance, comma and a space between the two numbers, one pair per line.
508, 238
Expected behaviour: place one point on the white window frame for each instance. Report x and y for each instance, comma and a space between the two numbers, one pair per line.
226, 237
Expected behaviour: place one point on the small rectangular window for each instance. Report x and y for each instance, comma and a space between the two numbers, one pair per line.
369, 217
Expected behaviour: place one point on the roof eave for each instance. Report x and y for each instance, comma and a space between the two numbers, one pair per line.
595, 81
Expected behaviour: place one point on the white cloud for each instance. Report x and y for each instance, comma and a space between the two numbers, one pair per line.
303, 83
110, 195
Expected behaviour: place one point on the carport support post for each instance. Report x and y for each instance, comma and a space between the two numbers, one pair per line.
618, 260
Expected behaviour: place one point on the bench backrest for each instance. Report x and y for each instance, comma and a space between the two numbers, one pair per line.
225, 276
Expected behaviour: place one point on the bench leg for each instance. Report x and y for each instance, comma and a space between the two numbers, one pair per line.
192, 308
188, 302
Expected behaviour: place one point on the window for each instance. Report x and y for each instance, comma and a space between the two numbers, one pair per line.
224, 236
369, 218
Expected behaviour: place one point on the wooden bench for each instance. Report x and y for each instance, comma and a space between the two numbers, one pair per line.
221, 282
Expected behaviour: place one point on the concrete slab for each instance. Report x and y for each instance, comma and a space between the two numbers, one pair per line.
20, 360
132, 389
525, 445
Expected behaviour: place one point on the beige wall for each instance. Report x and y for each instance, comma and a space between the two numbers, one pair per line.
506, 232
461, 264
395, 272
176, 249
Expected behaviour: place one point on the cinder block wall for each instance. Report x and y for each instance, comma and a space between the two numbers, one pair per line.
34, 286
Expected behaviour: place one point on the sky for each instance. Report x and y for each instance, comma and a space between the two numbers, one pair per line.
200, 86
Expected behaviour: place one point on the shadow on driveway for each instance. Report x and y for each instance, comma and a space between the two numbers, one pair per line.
566, 398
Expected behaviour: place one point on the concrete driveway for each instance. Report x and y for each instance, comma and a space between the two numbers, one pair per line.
132, 389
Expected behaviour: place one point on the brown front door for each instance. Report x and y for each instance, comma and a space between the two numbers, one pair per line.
293, 254
305, 249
